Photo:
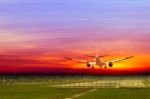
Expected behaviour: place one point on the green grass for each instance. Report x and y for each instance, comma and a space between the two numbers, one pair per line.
117, 94
35, 91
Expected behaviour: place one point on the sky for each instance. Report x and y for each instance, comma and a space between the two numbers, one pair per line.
35, 35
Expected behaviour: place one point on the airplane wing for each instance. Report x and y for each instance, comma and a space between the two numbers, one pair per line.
117, 60
83, 61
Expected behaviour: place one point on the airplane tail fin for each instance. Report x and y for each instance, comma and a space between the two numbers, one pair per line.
97, 52
95, 56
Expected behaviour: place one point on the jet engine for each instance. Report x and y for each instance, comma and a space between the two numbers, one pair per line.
110, 64
88, 65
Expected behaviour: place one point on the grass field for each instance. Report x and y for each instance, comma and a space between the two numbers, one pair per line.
35, 91
117, 94
43, 88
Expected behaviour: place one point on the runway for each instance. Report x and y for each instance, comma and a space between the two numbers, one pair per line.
104, 84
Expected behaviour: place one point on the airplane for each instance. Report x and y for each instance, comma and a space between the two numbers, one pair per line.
99, 62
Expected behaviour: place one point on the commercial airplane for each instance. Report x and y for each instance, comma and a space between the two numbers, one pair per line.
99, 62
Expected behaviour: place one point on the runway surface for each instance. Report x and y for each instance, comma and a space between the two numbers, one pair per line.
105, 84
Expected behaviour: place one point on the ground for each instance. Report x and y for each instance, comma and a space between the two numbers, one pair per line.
35, 91
117, 94
74, 87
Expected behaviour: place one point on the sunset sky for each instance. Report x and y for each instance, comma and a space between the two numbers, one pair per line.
35, 35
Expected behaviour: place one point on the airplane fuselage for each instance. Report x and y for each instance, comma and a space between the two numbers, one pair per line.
98, 61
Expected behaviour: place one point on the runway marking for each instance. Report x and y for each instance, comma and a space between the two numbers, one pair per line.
80, 94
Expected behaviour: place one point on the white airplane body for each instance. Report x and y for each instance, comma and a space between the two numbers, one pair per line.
99, 62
